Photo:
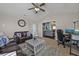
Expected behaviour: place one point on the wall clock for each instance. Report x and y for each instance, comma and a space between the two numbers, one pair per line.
21, 23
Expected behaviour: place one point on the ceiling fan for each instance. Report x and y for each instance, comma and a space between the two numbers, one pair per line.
37, 7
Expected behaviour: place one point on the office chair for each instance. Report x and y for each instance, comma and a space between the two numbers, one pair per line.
62, 39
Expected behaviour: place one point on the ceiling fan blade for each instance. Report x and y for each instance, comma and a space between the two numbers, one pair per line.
34, 5
42, 9
30, 8
42, 4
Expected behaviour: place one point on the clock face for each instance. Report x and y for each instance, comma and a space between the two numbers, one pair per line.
21, 23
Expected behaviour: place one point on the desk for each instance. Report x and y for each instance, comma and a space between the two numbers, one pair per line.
67, 36
75, 43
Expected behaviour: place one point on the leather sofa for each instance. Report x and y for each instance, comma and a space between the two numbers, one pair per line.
9, 47
22, 36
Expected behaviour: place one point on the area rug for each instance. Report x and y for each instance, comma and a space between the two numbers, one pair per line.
49, 51
46, 51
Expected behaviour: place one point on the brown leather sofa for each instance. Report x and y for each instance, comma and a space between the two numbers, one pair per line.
22, 36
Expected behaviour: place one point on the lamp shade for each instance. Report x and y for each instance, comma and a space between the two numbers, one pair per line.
54, 27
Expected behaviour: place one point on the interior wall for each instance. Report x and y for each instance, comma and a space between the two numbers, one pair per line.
77, 25
63, 21
9, 25
63, 13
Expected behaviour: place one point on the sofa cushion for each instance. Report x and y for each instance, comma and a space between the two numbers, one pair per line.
3, 40
24, 34
28, 34
19, 34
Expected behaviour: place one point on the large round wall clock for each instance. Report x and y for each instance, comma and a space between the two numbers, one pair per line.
21, 23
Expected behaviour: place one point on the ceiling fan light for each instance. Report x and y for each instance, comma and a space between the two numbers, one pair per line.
37, 9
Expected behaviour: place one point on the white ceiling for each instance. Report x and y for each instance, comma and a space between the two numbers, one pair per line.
21, 9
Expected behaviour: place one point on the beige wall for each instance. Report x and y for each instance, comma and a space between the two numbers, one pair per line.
77, 25
63, 13
63, 21
9, 25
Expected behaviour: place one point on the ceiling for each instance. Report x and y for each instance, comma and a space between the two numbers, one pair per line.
21, 10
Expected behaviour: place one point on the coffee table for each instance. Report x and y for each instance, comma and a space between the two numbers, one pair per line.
35, 45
